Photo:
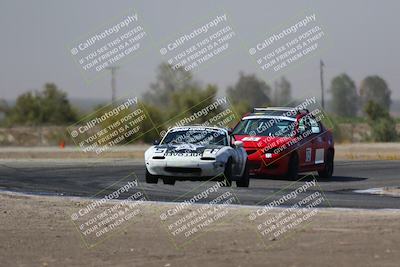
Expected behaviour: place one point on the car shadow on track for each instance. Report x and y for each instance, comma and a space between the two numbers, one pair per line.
341, 179
308, 177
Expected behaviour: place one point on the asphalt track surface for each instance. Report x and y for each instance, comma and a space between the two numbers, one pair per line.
86, 178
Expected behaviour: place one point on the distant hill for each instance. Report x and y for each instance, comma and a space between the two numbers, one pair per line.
82, 104
85, 105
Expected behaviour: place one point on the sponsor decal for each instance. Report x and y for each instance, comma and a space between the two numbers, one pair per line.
178, 154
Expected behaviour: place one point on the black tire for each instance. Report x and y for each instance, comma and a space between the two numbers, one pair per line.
328, 169
245, 179
293, 168
150, 178
169, 180
228, 173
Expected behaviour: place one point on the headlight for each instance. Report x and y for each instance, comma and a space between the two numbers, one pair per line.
210, 151
269, 152
268, 155
209, 154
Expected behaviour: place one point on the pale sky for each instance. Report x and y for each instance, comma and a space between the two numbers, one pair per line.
36, 35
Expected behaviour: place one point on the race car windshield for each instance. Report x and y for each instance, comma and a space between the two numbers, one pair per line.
197, 137
265, 127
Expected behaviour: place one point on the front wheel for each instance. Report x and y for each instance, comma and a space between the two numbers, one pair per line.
293, 168
150, 178
328, 169
245, 179
228, 173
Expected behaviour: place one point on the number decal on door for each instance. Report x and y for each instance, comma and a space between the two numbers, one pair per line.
308, 154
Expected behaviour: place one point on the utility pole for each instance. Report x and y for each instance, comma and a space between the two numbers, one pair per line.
321, 71
113, 87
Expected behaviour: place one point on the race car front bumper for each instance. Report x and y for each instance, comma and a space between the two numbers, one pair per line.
271, 164
185, 168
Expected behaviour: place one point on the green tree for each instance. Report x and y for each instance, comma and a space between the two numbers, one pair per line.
192, 99
250, 90
55, 106
168, 82
374, 88
4, 109
383, 126
178, 95
241, 108
153, 126
50, 106
175, 96
3, 106
148, 126
344, 96
27, 110
282, 92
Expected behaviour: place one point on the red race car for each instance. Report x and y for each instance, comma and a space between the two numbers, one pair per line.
285, 142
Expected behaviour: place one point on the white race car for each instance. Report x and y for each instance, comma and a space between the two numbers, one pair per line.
197, 153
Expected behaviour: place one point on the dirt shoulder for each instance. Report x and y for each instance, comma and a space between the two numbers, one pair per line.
38, 231
368, 151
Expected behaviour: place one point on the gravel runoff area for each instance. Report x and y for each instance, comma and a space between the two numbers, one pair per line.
38, 231
356, 151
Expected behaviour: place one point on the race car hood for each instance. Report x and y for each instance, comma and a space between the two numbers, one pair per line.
183, 151
258, 142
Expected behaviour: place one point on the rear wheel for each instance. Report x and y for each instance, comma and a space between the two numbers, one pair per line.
293, 168
328, 169
245, 179
169, 180
228, 173
150, 178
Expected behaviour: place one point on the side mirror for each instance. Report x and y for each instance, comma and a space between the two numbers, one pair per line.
156, 142
238, 144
